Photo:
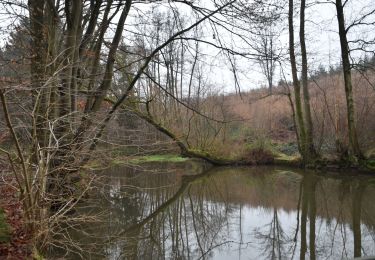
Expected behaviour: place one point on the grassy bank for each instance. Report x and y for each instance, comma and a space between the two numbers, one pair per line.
171, 158
116, 159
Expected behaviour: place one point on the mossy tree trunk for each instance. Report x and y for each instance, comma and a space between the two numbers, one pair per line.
354, 149
310, 152
300, 127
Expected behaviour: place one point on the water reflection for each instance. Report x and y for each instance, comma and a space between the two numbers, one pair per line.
229, 213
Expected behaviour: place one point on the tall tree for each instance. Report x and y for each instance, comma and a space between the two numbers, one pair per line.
354, 149
72, 61
267, 49
38, 64
300, 128
310, 152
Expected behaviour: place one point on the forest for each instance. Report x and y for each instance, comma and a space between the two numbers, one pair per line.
132, 110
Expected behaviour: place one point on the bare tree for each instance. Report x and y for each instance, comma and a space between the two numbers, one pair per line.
72, 63
353, 139
300, 127
310, 152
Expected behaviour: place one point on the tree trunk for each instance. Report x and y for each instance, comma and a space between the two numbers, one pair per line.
108, 74
73, 11
300, 129
354, 148
38, 67
310, 152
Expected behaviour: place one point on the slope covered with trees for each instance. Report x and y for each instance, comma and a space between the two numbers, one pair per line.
80, 78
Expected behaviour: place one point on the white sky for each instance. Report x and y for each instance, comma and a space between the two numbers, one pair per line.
322, 44
322, 41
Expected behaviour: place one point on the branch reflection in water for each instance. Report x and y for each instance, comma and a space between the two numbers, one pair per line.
226, 213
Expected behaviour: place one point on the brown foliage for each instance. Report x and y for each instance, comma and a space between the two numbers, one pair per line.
19, 245
259, 156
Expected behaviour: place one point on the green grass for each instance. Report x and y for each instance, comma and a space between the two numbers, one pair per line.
4, 228
171, 158
370, 164
287, 159
159, 158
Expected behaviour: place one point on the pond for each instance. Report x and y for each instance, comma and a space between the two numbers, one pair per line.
225, 213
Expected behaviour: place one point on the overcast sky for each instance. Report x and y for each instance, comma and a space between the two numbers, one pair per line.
322, 43
322, 40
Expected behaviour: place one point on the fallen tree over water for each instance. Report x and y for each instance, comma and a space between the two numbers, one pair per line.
259, 157
254, 157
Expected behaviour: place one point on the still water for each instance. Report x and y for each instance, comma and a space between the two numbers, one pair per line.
225, 213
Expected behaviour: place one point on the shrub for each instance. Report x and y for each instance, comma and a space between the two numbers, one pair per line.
259, 149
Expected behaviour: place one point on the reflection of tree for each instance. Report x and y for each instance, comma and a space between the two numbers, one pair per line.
304, 217
312, 216
184, 225
208, 218
351, 198
158, 216
358, 190
349, 190
307, 203
190, 227
274, 239
308, 210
